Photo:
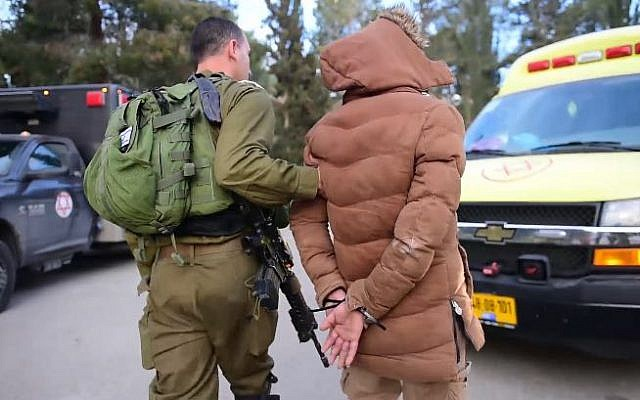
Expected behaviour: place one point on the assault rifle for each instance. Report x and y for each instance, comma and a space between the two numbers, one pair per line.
276, 274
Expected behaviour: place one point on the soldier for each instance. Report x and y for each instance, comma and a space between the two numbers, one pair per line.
201, 313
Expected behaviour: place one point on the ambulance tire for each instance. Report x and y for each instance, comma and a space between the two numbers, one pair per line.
8, 269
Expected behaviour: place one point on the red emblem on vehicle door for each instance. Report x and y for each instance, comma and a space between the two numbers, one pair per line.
64, 204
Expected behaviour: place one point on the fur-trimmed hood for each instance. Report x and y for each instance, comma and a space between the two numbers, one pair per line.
385, 55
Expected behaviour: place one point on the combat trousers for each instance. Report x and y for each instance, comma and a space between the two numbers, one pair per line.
202, 316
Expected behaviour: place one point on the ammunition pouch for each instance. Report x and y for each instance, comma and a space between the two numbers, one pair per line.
267, 288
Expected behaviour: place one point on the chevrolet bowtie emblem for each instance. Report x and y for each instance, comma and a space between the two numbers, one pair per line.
495, 233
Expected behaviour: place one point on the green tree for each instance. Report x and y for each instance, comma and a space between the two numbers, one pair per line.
479, 61
464, 38
546, 21
42, 39
142, 43
299, 92
151, 38
49, 19
583, 16
336, 19
538, 20
259, 70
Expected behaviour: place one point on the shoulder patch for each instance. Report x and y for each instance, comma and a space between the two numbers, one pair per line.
252, 83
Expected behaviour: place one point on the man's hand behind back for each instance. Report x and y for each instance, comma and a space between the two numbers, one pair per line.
345, 328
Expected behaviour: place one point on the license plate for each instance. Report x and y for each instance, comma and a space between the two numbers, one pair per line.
495, 310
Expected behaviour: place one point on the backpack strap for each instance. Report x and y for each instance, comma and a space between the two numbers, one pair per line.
162, 102
209, 96
167, 119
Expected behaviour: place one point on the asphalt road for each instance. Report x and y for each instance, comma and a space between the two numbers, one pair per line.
72, 335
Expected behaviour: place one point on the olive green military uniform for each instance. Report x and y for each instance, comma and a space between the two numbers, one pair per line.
202, 315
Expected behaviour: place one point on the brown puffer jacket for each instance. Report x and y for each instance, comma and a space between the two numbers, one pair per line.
390, 160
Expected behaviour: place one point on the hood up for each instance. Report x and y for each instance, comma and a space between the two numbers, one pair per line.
380, 57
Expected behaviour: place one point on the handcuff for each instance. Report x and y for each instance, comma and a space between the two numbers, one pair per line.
369, 319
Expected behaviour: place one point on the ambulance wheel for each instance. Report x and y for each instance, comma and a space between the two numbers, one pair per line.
8, 269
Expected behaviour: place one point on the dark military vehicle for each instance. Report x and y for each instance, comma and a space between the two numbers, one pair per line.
48, 136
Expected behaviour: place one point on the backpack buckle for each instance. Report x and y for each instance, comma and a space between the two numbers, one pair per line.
189, 169
178, 259
176, 256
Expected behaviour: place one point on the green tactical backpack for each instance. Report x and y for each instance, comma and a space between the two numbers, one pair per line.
155, 165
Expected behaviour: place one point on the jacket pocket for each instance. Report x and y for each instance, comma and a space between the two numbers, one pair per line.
470, 325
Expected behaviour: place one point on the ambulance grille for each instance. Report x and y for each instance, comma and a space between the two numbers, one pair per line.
565, 262
552, 214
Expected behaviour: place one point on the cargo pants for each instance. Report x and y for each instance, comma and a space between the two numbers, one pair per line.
202, 316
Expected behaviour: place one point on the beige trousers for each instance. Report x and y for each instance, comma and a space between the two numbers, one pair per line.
360, 384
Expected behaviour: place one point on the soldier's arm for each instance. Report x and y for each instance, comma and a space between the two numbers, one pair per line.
242, 161
425, 219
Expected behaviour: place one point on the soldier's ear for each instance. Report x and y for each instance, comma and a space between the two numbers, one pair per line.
233, 49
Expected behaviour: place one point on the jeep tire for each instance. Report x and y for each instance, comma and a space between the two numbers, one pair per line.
8, 269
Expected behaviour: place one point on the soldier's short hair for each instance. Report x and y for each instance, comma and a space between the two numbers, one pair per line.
211, 35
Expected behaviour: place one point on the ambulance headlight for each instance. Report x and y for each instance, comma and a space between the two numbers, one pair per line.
621, 213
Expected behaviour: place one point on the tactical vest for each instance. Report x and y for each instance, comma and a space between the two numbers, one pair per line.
155, 165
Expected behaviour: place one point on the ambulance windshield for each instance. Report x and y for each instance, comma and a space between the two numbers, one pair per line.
592, 115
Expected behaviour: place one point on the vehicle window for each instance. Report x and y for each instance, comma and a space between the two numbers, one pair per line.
8, 153
598, 110
47, 156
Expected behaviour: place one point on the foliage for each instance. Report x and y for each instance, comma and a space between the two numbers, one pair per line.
464, 39
336, 19
145, 43
470, 35
302, 98
139, 43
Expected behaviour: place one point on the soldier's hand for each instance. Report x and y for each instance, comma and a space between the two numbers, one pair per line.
311, 161
321, 188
